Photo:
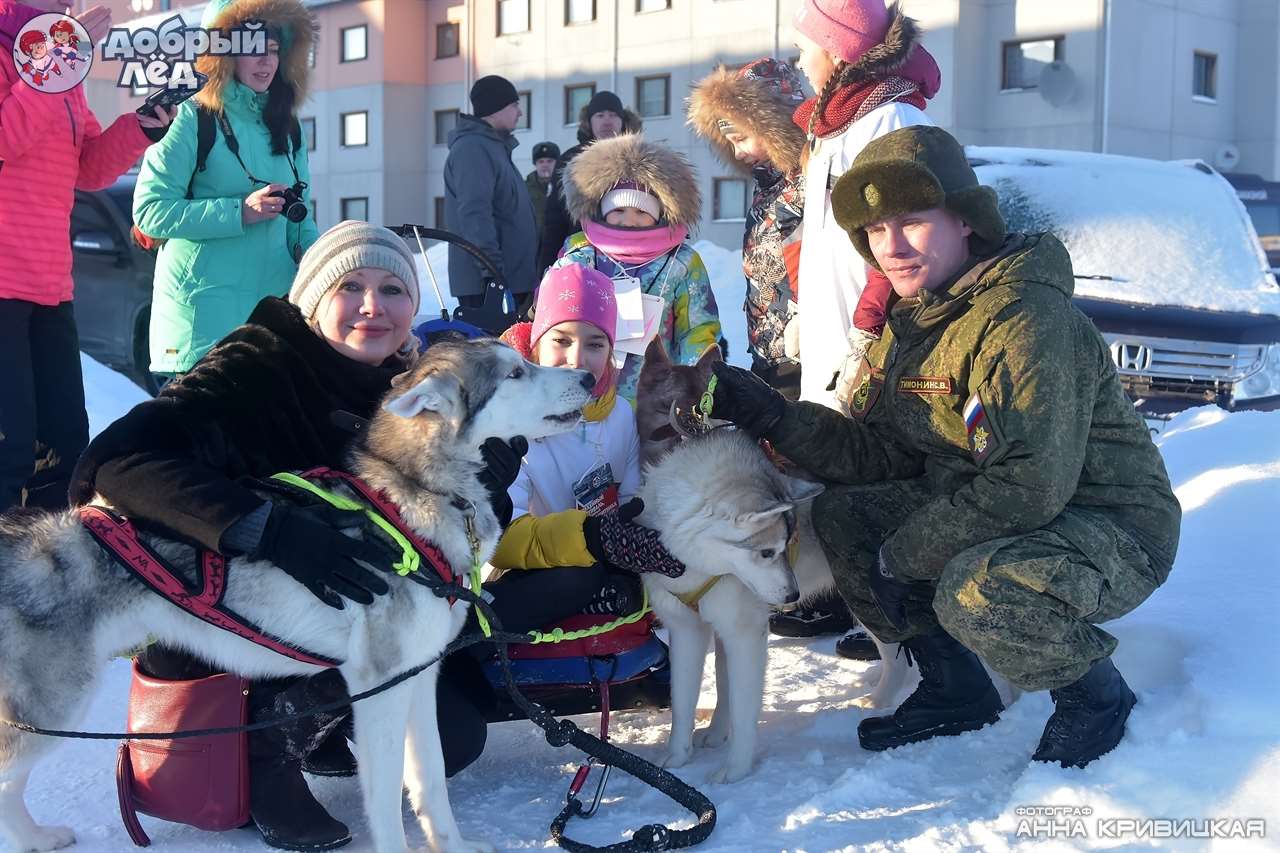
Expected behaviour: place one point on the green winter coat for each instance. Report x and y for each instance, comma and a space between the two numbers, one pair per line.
213, 269
1004, 398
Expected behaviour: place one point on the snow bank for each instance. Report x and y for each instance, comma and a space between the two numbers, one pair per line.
107, 394
1204, 740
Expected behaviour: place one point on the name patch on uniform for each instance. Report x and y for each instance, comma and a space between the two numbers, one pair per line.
981, 440
926, 385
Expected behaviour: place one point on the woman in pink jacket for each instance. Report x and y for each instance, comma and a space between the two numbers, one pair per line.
50, 145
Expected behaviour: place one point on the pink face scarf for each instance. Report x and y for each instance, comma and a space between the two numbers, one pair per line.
634, 245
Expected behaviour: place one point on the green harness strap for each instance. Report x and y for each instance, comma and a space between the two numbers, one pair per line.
560, 635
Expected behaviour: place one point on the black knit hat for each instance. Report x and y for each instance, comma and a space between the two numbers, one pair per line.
915, 168
492, 94
544, 150
602, 101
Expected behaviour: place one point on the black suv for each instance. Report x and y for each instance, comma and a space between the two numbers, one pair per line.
113, 281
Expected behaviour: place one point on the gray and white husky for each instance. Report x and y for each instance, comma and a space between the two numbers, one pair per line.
66, 607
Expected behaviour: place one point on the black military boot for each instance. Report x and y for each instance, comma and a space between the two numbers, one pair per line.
955, 695
1088, 717
333, 757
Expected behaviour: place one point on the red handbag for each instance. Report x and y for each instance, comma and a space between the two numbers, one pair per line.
202, 782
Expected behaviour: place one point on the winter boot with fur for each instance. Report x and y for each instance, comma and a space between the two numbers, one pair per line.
955, 695
1088, 717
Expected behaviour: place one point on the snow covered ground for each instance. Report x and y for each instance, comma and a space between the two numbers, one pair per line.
1204, 741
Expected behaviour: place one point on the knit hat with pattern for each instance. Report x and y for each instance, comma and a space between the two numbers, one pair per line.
348, 246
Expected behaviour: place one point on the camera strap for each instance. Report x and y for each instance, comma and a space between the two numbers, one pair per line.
229, 136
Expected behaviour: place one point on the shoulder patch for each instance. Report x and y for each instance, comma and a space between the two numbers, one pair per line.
982, 439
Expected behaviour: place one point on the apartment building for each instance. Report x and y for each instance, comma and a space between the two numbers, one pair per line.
1155, 78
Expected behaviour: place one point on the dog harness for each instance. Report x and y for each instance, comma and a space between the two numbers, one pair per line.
691, 599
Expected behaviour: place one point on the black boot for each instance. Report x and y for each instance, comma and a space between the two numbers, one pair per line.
333, 756
1088, 717
858, 645
285, 811
955, 695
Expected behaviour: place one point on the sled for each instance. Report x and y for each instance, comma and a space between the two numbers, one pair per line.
490, 319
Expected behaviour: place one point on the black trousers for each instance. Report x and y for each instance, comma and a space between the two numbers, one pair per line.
43, 424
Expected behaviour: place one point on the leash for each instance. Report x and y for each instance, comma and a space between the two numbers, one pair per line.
647, 839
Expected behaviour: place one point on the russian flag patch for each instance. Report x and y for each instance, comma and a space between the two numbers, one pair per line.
978, 428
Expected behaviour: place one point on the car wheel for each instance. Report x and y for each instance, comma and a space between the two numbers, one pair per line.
142, 374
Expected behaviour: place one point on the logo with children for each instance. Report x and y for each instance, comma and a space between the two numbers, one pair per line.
53, 53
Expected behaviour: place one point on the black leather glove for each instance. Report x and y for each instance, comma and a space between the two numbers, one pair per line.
746, 400
502, 466
308, 543
891, 592
616, 541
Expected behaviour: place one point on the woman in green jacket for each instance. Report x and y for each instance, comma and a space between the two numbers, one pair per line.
228, 240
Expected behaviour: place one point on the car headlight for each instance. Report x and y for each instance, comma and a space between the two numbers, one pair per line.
1263, 383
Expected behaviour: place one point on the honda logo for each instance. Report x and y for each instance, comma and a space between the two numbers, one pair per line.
1132, 357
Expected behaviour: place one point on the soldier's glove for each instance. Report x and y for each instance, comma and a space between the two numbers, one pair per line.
307, 542
746, 400
501, 467
890, 592
844, 385
616, 541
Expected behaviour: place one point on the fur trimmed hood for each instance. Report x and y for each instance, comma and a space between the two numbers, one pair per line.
898, 53
290, 15
753, 105
631, 123
663, 171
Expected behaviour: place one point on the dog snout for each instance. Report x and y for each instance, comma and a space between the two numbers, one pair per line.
588, 381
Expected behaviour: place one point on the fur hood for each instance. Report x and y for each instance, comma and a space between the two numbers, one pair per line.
896, 54
289, 14
629, 157
631, 123
751, 105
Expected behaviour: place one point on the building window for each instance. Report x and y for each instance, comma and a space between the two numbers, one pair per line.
355, 208
728, 199
446, 120
513, 17
579, 12
575, 98
526, 110
355, 43
440, 222
447, 40
1204, 81
652, 5
138, 91
1024, 60
309, 133
355, 129
653, 95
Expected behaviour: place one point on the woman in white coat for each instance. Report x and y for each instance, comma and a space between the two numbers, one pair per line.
872, 77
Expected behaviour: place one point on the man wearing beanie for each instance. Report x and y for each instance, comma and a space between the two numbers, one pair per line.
486, 200
603, 117
538, 181
1001, 495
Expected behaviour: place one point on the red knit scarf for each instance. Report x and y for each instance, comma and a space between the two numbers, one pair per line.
852, 102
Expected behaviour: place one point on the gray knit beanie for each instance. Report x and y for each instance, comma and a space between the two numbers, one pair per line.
347, 246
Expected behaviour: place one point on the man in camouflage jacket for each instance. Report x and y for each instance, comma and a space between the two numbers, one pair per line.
994, 491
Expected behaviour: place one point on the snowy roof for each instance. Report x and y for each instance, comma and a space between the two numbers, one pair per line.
191, 15
1153, 232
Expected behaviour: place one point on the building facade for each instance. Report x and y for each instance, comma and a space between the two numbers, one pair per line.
1167, 79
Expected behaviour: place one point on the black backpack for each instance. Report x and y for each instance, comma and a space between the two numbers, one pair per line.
206, 135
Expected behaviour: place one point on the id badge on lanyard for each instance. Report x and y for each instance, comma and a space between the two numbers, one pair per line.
597, 490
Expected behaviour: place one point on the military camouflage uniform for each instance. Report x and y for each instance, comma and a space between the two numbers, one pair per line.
995, 457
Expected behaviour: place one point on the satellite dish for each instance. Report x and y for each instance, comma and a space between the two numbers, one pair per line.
1226, 158
1057, 83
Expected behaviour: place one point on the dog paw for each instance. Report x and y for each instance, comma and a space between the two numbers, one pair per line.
711, 737
47, 838
729, 772
677, 758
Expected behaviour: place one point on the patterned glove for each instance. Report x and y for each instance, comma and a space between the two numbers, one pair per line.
502, 466
616, 541
859, 341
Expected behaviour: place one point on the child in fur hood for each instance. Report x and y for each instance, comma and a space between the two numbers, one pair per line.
745, 115
872, 77
636, 201
573, 500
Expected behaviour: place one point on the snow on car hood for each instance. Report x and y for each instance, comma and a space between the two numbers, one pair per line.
1154, 232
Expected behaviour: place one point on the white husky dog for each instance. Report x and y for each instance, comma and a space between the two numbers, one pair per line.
726, 513
66, 606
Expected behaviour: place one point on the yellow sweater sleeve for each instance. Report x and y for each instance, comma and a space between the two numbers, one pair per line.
544, 542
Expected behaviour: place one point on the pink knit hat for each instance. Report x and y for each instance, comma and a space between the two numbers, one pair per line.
843, 28
574, 292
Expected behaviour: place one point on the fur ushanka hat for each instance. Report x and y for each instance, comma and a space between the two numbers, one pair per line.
659, 170
288, 21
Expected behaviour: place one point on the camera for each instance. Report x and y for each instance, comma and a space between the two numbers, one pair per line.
295, 209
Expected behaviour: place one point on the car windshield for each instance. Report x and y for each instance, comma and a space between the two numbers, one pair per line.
1138, 230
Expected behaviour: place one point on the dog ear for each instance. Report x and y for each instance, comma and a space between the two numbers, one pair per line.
435, 393
655, 353
756, 519
799, 490
709, 356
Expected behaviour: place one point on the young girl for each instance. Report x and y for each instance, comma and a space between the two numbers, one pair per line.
636, 201
572, 501
872, 77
